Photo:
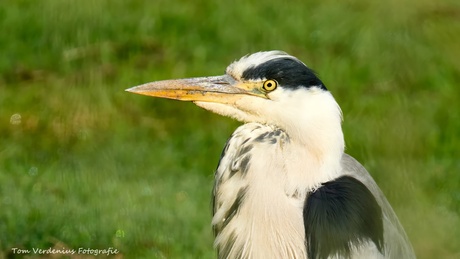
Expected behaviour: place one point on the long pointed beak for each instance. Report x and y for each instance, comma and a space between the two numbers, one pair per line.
217, 89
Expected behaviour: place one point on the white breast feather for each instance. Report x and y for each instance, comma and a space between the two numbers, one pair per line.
267, 213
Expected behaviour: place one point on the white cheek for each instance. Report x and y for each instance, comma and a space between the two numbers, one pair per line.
227, 110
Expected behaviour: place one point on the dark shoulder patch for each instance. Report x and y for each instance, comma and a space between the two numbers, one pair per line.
339, 215
288, 72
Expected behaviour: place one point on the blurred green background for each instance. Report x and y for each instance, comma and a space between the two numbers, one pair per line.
85, 164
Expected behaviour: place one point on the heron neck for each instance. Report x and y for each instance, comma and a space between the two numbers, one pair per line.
317, 149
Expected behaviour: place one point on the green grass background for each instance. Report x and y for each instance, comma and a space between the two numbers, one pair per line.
85, 164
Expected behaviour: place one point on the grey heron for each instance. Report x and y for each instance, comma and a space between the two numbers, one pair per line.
284, 188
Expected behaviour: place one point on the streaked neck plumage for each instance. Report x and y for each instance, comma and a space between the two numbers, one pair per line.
266, 195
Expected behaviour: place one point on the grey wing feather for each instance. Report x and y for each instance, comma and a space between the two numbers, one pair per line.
397, 244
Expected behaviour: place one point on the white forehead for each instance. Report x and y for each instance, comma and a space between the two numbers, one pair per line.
237, 68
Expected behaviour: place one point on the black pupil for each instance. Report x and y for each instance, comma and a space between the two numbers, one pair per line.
269, 85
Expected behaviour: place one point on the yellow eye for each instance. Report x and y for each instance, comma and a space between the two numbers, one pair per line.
270, 85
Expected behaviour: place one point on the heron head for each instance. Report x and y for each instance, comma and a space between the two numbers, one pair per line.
269, 87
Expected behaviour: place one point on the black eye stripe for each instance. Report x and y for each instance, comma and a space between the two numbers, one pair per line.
288, 72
